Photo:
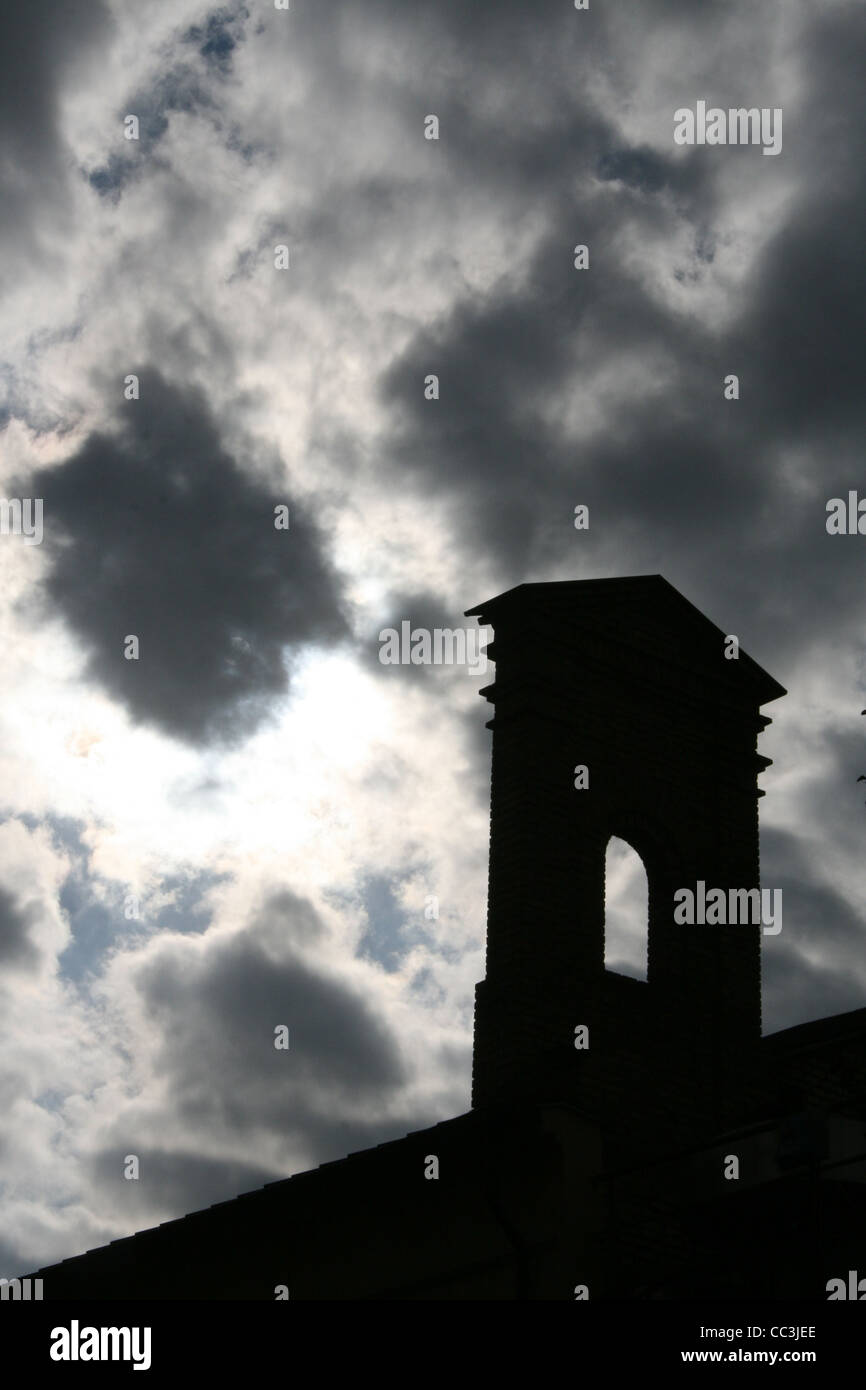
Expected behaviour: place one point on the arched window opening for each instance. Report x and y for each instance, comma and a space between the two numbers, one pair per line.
626, 904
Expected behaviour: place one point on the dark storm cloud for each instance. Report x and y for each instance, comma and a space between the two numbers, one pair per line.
40, 44
477, 743
40, 49
807, 315
514, 477
218, 1011
509, 359
832, 799
796, 990
643, 169
496, 27
155, 531
17, 950
177, 1181
171, 1181
800, 346
817, 921
15, 1260
680, 477
426, 613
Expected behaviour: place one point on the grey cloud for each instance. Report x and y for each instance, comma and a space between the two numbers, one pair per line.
155, 530
17, 950
796, 990
40, 52
217, 1013
425, 611
40, 45
803, 334
13, 1259
685, 481
817, 920
173, 1182
170, 1181
513, 476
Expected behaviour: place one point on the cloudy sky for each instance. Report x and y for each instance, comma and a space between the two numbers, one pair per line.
247, 826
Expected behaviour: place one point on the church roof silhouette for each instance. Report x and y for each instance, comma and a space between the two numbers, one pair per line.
627, 1138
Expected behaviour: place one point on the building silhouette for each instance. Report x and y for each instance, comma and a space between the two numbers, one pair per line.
627, 1138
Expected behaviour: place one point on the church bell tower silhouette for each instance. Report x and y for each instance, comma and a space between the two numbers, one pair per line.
628, 679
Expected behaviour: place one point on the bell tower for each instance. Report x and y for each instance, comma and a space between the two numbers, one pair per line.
626, 679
